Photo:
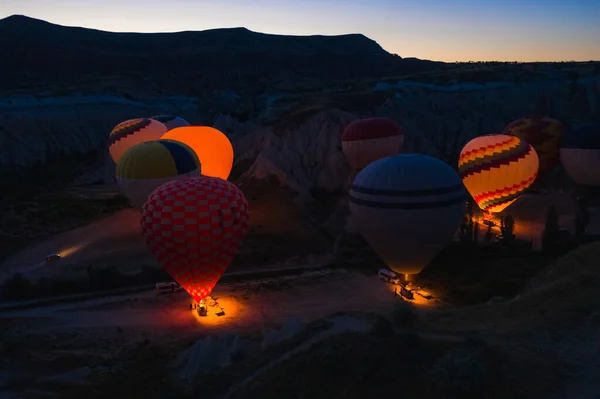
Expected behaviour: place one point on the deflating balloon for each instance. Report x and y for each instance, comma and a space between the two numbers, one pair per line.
543, 133
134, 131
194, 228
367, 140
497, 169
212, 147
580, 154
170, 121
147, 165
407, 207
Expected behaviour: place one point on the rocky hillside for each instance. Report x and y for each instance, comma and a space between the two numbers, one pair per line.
285, 121
37, 53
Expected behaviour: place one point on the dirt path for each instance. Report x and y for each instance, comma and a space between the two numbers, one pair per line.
251, 305
115, 238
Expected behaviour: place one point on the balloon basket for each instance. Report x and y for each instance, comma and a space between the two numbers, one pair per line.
202, 309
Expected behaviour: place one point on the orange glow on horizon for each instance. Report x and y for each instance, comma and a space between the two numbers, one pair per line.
211, 146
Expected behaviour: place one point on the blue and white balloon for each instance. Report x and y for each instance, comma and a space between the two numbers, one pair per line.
580, 154
407, 207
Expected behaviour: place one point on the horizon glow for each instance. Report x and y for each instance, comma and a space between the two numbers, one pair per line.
442, 30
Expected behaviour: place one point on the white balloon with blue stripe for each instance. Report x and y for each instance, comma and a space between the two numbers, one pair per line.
407, 207
580, 153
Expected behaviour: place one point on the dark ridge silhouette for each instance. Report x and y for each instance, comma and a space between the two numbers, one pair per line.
36, 51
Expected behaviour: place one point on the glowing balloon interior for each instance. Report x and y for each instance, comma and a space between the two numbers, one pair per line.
580, 154
170, 121
543, 134
367, 140
407, 207
131, 132
212, 147
497, 169
194, 228
147, 165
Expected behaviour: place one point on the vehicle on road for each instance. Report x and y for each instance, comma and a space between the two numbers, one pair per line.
52, 258
389, 276
165, 287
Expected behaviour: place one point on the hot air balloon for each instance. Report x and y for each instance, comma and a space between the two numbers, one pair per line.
497, 169
194, 228
212, 147
580, 154
131, 132
170, 121
367, 140
543, 133
407, 207
147, 165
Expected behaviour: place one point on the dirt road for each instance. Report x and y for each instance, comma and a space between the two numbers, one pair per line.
116, 237
253, 305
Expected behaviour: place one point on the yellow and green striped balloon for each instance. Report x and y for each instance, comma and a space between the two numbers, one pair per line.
148, 165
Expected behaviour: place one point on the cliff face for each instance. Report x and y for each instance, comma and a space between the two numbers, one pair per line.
283, 101
302, 149
437, 120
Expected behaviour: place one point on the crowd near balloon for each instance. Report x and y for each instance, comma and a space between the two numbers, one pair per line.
407, 206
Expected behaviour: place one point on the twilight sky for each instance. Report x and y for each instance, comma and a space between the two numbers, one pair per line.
445, 30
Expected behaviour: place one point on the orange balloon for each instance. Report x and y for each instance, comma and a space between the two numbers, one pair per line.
213, 148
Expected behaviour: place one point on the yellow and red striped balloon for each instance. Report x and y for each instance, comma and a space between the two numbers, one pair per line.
543, 133
497, 169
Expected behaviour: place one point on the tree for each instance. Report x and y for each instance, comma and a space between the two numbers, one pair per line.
550, 235
507, 227
582, 218
464, 227
488, 234
476, 234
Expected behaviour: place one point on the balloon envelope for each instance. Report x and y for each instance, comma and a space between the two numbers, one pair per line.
147, 165
212, 147
543, 133
194, 228
497, 169
407, 207
170, 121
131, 132
580, 154
367, 140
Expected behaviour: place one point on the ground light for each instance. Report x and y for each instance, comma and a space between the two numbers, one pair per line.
71, 250
420, 296
219, 311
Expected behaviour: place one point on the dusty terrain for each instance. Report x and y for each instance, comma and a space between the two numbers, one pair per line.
281, 233
109, 327
541, 341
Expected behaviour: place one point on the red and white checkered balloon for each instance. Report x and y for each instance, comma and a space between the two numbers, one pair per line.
194, 228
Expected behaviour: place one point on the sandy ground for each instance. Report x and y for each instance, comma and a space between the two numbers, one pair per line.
247, 306
103, 328
280, 232
113, 239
